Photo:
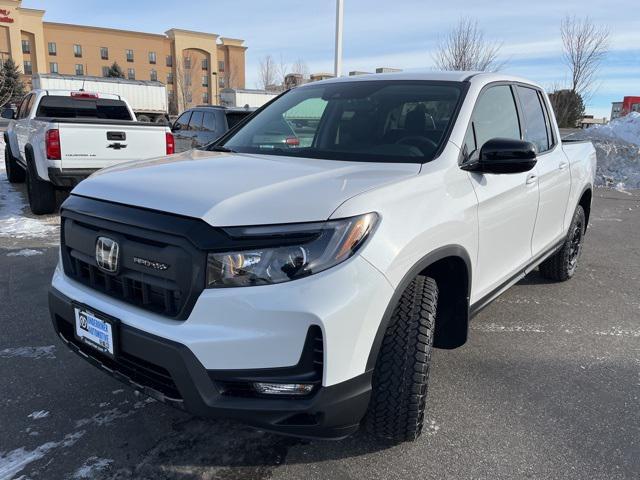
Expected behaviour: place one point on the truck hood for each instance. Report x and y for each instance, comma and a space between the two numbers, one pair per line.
232, 189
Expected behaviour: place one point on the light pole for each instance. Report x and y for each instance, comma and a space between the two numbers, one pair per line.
337, 68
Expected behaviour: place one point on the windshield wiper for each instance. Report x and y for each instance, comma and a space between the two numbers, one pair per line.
220, 148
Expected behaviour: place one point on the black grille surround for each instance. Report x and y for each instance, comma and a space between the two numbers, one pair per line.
171, 292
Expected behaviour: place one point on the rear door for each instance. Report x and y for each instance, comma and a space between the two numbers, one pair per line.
507, 204
211, 128
23, 122
554, 178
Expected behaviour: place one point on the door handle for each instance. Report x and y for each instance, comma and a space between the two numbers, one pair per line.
563, 165
531, 179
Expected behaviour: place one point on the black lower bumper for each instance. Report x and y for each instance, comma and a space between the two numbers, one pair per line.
68, 177
170, 372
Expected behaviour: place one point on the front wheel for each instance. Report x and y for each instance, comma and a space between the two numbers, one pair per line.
399, 386
562, 265
15, 173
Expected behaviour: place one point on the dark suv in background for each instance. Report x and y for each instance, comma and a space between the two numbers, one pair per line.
204, 124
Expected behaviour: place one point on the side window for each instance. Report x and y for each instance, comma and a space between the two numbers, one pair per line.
209, 122
495, 116
30, 105
183, 121
547, 117
196, 121
21, 108
535, 124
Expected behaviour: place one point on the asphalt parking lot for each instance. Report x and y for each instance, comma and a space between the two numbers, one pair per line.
548, 385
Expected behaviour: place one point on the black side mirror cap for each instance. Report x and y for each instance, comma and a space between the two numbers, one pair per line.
503, 155
8, 114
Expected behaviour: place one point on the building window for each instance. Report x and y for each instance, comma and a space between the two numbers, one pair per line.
205, 64
221, 82
53, 67
189, 97
26, 46
131, 73
205, 97
53, 48
169, 61
221, 66
77, 50
104, 53
129, 55
205, 80
79, 69
187, 79
28, 68
153, 75
169, 78
105, 71
152, 58
187, 62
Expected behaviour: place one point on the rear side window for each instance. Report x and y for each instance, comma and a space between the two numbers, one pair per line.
68, 107
209, 122
196, 121
234, 117
495, 116
535, 123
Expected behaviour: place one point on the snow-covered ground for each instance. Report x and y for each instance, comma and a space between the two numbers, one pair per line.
618, 150
16, 222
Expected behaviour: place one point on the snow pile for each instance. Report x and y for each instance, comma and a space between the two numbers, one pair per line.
13, 221
25, 252
625, 128
618, 150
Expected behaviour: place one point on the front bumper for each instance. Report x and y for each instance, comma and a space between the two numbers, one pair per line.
170, 372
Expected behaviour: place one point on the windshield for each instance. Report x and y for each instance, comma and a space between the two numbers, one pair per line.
371, 121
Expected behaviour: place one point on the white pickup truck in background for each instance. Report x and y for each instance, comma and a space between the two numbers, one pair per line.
60, 137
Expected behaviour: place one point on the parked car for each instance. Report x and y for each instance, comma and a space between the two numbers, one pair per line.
202, 125
60, 137
301, 288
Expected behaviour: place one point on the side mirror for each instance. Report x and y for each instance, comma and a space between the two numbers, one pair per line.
503, 155
8, 113
176, 127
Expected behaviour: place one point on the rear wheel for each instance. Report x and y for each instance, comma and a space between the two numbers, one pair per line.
42, 194
400, 378
563, 264
15, 173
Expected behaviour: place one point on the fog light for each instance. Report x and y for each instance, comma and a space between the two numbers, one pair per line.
283, 388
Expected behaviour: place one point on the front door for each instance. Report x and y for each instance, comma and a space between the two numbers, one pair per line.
507, 203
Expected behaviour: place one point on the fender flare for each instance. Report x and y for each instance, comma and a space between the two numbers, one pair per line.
426, 261
30, 161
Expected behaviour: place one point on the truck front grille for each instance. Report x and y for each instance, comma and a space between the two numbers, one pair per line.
171, 291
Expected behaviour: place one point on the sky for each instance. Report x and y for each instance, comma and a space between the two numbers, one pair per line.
401, 33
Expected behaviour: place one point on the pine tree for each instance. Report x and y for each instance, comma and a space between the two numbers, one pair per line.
11, 85
115, 71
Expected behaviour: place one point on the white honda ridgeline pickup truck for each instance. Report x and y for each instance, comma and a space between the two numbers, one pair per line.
297, 275
60, 137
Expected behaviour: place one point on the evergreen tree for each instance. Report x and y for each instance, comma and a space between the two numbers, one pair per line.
568, 107
11, 85
115, 71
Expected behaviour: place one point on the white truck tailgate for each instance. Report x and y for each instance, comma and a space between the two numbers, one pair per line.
100, 145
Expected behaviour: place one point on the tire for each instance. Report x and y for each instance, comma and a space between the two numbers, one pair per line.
399, 386
563, 264
41, 194
15, 173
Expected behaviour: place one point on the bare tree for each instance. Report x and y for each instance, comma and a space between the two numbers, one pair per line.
465, 48
300, 67
184, 81
267, 73
585, 47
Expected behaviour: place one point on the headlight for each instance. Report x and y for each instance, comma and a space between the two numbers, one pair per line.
287, 252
